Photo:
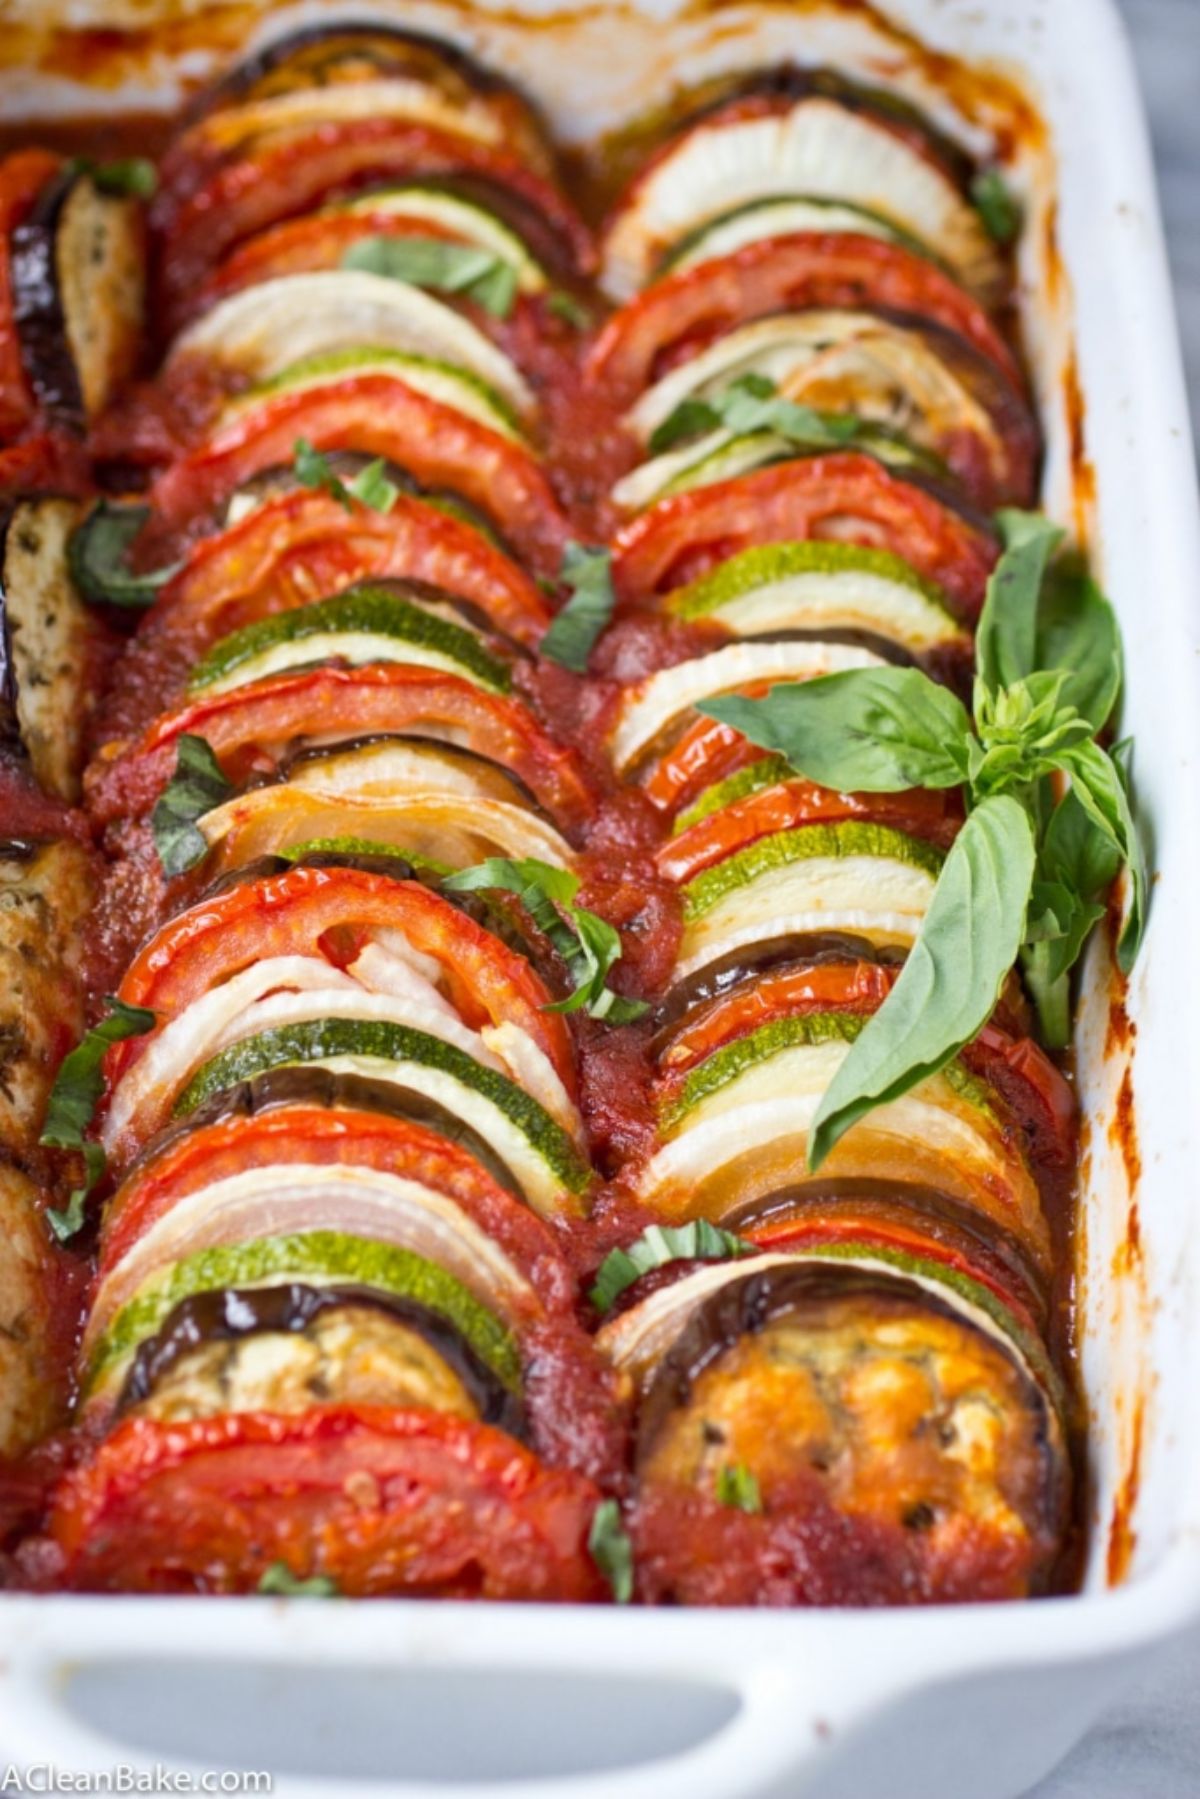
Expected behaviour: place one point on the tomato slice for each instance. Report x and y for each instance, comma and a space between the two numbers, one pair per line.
1035, 1091
706, 751
225, 202
789, 992
330, 1136
306, 544
921, 813
22, 178
682, 313
379, 415
846, 497
378, 1500
252, 726
290, 914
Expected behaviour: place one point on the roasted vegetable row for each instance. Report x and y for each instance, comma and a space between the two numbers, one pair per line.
489, 912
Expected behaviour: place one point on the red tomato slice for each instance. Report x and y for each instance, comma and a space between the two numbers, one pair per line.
379, 415
680, 314
305, 545
232, 200
327, 1136
1035, 1091
845, 497
291, 914
706, 751
788, 993
251, 726
381, 1501
780, 808
22, 178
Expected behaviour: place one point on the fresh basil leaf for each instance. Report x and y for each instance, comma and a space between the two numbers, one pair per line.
952, 977
587, 943
611, 1550
1077, 632
738, 1486
98, 557
313, 469
1098, 783
372, 488
753, 403
72, 1104
1006, 636
481, 275
865, 730
573, 632
565, 306
996, 206
698, 1241
196, 787
279, 1579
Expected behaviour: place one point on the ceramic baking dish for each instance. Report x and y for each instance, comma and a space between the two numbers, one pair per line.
413, 1699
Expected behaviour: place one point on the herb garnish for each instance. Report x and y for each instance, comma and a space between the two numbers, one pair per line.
994, 202
573, 632
128, 175
77, 1086
196, 787
588, 944
753, 403
611, 1550
477, 274
370, 487
98, 557
738, 1486
279, 1579
1028, 872
698, 1241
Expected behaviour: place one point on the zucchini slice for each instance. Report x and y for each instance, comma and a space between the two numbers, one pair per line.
466, 218
442, 381
772, 589
819, 148
786, 217
78, 292
261, 331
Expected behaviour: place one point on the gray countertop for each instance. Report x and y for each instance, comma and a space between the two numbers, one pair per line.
1148, 1746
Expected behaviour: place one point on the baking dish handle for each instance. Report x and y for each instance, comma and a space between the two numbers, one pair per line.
776, 1726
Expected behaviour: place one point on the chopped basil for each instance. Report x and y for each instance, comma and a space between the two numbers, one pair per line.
996, 206
698, 1241
98, 557
753, 403
587, 943
573, 632
1028, 873
77, 1086
737, 1486
611, 1549
371, 486
196, 787
279, 1579
481, 275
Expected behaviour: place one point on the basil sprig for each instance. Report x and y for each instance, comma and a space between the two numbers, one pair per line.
753, 403
127, 176
1028, 873
698, 1241
370, 487
196, 787
587, 943
467, 269
98, 557
77, 1086
573, 632
994, 202
611, 1550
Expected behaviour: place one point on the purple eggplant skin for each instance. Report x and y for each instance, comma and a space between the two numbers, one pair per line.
78, 276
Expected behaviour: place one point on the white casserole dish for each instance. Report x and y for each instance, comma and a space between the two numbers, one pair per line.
409, 1699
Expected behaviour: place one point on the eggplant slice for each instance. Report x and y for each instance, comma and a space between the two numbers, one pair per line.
30, 1399
78, 278
47, 643
46, 898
